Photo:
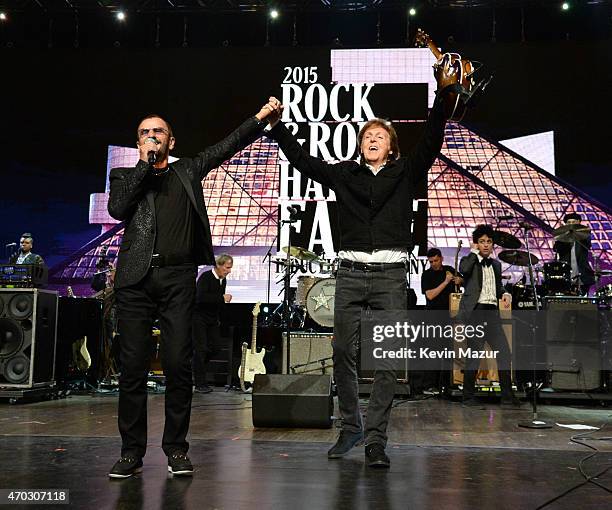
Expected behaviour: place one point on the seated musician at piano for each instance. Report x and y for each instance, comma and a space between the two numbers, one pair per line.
576, 254
25, 254
439, 281
483, 288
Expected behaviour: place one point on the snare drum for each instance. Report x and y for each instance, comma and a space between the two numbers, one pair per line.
557, 277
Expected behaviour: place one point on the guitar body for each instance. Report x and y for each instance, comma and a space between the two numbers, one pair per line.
251, 364
453, 303
252, 361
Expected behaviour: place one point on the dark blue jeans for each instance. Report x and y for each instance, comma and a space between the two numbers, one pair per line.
355, 291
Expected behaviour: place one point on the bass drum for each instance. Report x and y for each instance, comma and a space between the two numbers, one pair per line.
557, 278
320, 302
305, 283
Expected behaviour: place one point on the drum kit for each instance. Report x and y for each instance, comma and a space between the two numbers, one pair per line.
313, 298
553, 277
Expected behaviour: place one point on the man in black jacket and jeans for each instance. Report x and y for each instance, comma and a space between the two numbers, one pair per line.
167, 235
374, 197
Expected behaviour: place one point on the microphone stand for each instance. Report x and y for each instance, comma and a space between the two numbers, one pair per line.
269, 257
287, 290
534, 423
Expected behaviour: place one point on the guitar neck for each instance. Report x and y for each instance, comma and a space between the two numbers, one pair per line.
254, 336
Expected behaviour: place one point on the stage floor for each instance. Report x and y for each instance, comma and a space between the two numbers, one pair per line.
443, 456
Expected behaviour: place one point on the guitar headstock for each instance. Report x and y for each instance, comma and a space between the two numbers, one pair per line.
422, 39
256, 309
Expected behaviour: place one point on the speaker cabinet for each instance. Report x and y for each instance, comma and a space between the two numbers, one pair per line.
294, 401
572, 344
311, 353
28, 332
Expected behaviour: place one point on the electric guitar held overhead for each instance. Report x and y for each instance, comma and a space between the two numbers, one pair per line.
252, 361
458, 74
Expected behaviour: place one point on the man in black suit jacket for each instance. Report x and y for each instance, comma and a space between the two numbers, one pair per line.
483, 288
210, 297
167, 235
576, 254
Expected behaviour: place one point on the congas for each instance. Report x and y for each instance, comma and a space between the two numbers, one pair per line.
320, 302
557, 277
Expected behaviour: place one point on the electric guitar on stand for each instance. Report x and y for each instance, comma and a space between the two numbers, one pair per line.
454, 299
252, 361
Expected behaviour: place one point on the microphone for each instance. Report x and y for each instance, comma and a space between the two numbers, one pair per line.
152, 154
525, 225
292, 210
10, 244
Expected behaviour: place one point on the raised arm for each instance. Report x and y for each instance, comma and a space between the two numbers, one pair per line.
467, 264
245, 134
314, 168
126, 188
428, 147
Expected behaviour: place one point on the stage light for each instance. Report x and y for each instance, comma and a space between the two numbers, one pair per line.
274, 14
412, 11
565, 6
3, 16
120, 15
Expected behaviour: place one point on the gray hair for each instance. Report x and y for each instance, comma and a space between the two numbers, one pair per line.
223, 259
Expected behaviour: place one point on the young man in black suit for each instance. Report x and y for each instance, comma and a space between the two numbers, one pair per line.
483, 289
210, 297
167, 236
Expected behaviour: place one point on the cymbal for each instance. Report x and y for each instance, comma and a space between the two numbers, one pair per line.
300, 253
517, 257
506, 240
571, 233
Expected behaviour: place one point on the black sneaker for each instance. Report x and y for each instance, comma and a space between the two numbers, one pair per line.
376, 456
204, 388
126, 466
179, 464
345, 442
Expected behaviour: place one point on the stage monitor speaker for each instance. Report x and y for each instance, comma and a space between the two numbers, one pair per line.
295, 401
572, 344
311, 353
28, 332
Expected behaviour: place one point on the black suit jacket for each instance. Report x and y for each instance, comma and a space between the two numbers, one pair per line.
587, 276
471, 270
209, 298
133, 203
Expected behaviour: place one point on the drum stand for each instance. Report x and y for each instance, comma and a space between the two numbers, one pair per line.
287, 288
534, 423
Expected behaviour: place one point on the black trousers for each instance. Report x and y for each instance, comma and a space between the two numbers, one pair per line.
167, 293
497, 341
206, 339
355, 291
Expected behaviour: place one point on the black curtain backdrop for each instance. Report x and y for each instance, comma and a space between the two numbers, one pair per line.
63, 107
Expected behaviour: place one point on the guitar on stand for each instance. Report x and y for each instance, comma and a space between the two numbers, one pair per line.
252, 361
454, 299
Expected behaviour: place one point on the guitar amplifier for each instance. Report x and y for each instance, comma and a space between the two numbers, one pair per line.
311, 353
14, 276
573, 350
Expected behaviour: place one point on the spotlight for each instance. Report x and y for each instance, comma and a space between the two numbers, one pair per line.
274, 14
412, 11
120, 15
2, 16
565, 6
